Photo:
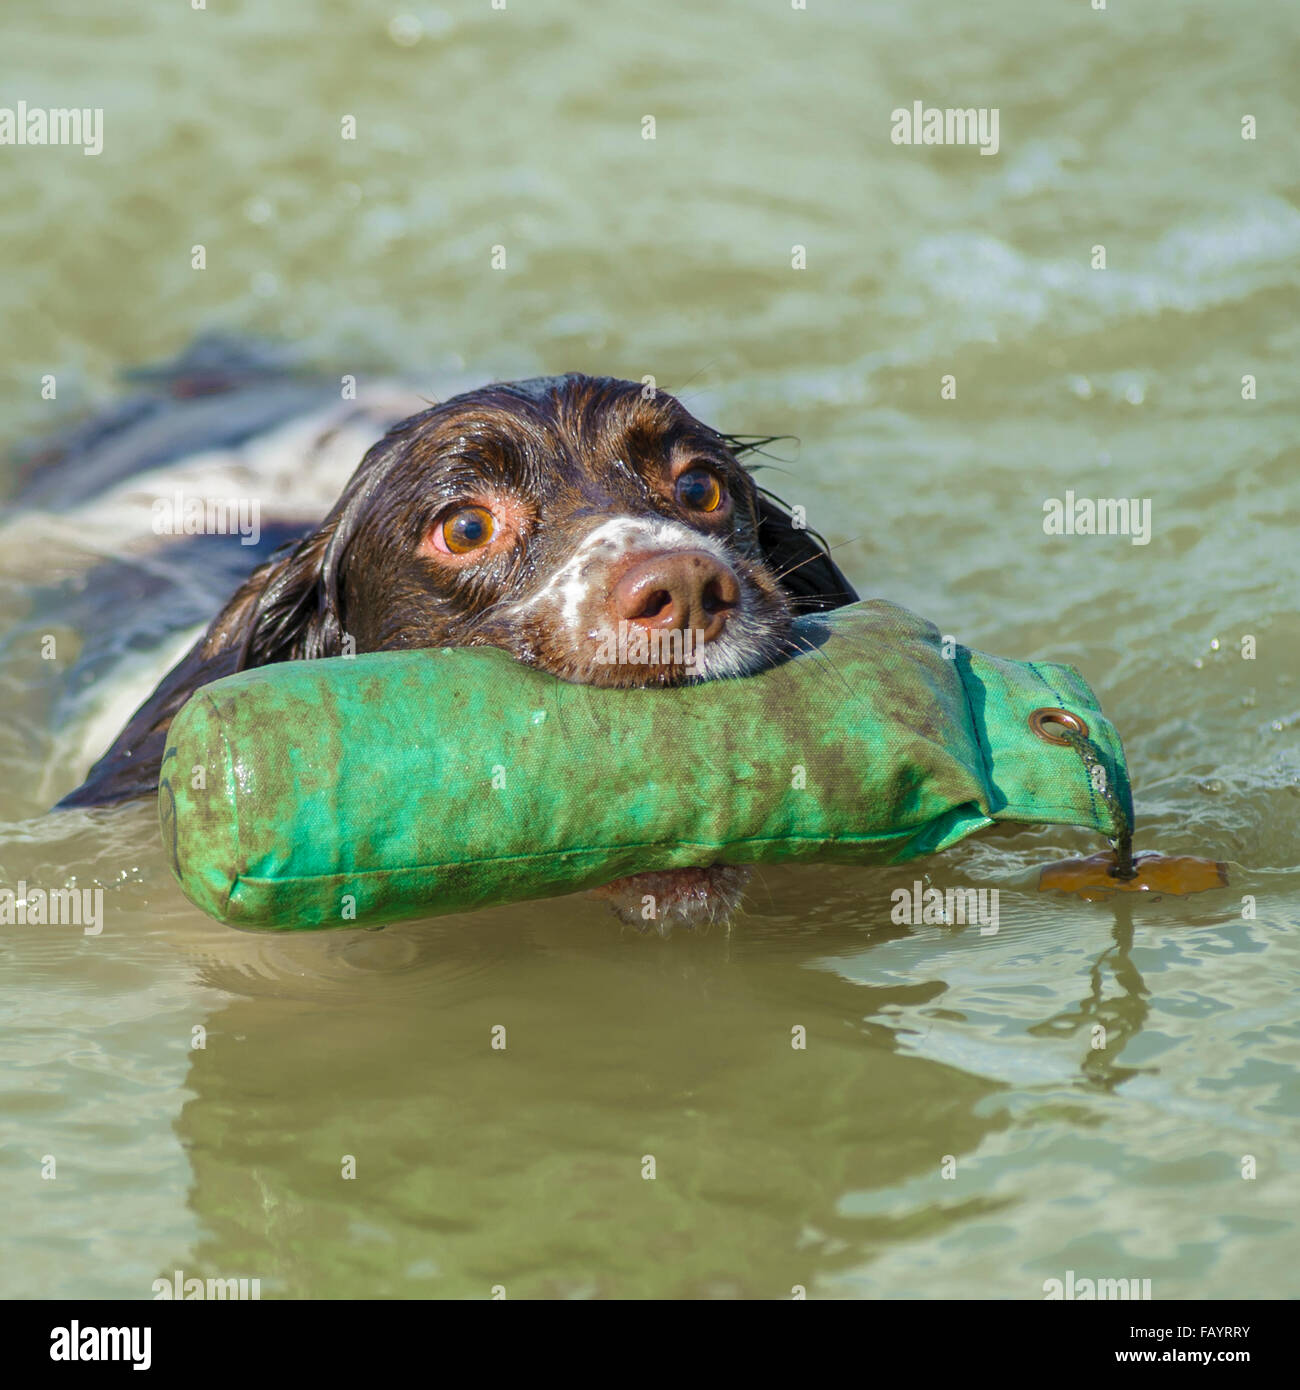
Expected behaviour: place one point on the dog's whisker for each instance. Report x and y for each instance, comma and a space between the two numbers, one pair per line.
808, 559
744, 444
827, 668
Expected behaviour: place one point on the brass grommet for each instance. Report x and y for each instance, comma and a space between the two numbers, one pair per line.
1041, 718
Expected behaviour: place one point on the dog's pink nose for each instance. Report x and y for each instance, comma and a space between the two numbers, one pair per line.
686, 589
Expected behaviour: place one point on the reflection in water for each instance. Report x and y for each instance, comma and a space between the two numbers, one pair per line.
1112, 1020
478, 1166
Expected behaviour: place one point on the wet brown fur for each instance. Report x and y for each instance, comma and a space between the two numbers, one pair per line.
571, 451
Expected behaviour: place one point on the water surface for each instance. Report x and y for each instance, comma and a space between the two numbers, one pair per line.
776, 1168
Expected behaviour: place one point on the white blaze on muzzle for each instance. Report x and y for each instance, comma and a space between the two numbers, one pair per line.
576, 580
567, 599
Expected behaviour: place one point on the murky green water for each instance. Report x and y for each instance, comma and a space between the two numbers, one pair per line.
823, 1168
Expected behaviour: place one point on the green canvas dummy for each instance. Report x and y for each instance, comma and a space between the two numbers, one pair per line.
351, 792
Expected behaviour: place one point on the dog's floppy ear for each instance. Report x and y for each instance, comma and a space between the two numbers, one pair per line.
800, 559
287, 609
291, 609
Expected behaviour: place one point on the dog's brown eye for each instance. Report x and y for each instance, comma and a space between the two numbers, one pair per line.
699, 490
467, 529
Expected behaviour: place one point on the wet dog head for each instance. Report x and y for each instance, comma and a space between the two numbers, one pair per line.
587, 526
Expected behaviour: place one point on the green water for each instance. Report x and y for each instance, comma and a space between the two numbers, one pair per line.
775, 1168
